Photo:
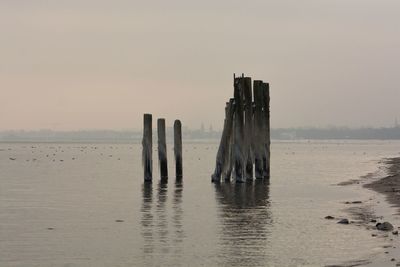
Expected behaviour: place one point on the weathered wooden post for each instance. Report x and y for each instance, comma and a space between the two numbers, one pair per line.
266, 130
238, 161
178, 148
216, 176
147, 150
227, 167
223, 155
162, 149
258, 129
230, 153
248, 128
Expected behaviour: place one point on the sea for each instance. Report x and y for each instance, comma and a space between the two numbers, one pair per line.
86, 204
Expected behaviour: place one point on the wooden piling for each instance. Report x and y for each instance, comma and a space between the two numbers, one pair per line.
178, 148
266, 131
227, 167
258, 129
238, 161
226, 174
147, 148
223, 154
248, 128
162, 149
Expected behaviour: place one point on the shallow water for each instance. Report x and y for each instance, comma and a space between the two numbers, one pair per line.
86, 205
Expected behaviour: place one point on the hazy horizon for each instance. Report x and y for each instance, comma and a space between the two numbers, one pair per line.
74, 65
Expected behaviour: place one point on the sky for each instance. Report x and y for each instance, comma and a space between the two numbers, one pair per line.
95, 64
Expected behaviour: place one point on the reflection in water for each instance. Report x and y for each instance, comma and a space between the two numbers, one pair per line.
161, 213
245, 220
177, 216
160, 236
147, 218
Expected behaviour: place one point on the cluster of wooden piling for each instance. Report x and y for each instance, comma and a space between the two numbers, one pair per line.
245, 140
147, 152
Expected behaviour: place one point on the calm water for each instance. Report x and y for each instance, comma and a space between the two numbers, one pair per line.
86, 205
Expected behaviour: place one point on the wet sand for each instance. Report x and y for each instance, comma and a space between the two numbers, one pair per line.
390, 185
364, 213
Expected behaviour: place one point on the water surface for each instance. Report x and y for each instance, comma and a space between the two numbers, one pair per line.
86, 205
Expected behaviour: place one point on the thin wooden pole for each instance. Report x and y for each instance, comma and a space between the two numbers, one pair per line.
223, 154
267, 139
178, 148
258, 129
147, 150
162, 149
230, 151
227, 167
238, 161
248, 128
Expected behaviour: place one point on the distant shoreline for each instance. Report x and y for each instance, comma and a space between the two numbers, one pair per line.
310, 133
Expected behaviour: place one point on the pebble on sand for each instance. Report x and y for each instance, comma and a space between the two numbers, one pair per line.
329, 217
344, 221
385, 226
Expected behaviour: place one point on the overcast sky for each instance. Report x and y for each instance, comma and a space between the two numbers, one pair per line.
95, 64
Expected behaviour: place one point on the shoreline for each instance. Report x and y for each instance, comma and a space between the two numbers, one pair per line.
388, 189
389, 186
384, 207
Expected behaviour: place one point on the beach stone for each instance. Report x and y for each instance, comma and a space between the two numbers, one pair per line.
395, 232
119, 220
329, 217
373, 221
385, 226
344, 221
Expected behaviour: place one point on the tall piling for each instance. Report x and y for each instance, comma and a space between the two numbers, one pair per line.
178, 149
248, 128
147, 147
238, 139
266, 131
162, 149
258, 129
